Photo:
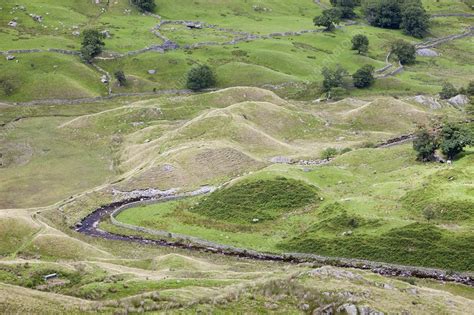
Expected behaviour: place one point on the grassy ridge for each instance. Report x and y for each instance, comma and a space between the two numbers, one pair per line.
261, 200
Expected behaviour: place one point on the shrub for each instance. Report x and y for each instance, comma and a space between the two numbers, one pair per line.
364, 77
92, 44
424, 144
200, 77
329, 153
415, 20
454, 138
405, 52
120, 76
333, 77
145, 5
448, 91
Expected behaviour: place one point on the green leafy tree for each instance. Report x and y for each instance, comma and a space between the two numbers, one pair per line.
424, 144
346, 7
364, 77
200, 77
333, 78
92, 44
448, 90
383, 13
120, 76
454, 138
415, 20
328, 19
404, 51
360, 43
145, 5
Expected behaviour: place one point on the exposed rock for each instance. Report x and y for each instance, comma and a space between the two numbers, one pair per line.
427, 52
76, 33
281, 160
168, 168
332, 272
350, 309
106, 34
13, 23
459, 100
104, 79
366, 310
193, 25
324, 310
151, 71
11, 57
37, 18
148, 193
428, 101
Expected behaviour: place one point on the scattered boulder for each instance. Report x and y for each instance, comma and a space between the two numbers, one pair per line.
324, 310
193, 25
366, 310
104, 79
106, 34
459, 100
37, 18
151, 71
426, 52
13, 23
11, 57
76, 33
350, 309
428, 101
281, 160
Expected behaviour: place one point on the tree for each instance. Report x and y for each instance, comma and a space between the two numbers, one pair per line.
92, 44
448, 91
383, 13
333, 78
145, 5
364, 77
120, 76
405, 52
200, 77
454, 138
415, 20
328, 19
346, 7
360, 43
424, 144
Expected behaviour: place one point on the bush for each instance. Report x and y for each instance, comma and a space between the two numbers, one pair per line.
145, 5
333, 78
383, 13
329, 153
360, 43
364, 77
415, 20
200, 77
92, 44
424, 144
448, 91
120, 76
454, 138
405, 52
7, 87
470, 88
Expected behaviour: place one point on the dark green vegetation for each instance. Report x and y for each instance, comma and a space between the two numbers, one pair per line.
328, 19
200, 77
92, 44
414, 244
364, 77
360, 43
404, 51
425, 144
409, 15
258, 201
145, 5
